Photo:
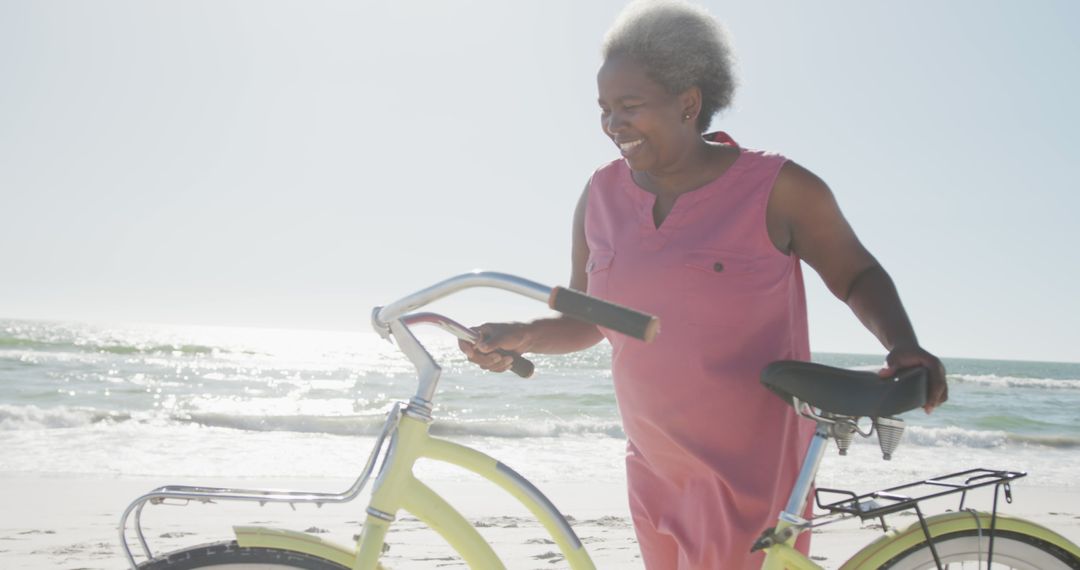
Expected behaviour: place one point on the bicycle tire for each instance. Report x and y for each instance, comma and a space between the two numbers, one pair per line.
228, 555
1012, 550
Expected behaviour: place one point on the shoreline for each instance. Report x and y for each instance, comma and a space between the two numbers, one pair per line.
70, 521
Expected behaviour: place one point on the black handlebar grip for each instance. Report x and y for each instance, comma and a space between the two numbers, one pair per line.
608, 315
521, 366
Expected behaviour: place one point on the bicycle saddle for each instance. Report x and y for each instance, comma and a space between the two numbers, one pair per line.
846, 392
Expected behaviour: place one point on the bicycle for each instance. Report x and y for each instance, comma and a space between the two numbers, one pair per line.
834, 398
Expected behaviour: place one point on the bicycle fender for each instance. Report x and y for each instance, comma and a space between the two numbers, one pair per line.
263, 537
895, 542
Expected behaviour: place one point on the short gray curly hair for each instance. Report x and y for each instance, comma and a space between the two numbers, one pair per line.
681, 46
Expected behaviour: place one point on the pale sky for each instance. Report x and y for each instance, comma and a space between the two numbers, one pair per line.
292, 164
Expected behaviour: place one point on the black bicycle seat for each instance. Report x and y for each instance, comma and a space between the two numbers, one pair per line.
846, 392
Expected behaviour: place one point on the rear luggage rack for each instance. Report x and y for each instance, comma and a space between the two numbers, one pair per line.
867, 505
876, 504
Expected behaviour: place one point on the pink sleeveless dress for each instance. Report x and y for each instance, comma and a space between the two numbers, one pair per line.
711, 454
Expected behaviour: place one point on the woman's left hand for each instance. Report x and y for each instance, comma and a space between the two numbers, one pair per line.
937, 387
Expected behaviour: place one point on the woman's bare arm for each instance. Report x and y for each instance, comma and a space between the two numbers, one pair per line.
804, 218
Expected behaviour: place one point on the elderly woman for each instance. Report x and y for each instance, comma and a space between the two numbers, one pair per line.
708, 236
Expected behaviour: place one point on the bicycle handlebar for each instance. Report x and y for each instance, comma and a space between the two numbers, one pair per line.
567, 301
602, 313
392, 320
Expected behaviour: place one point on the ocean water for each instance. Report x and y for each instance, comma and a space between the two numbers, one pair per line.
190, 402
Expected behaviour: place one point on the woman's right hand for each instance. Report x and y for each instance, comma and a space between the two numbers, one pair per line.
507, 337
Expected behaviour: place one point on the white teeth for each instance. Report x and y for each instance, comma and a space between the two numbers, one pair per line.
629, 145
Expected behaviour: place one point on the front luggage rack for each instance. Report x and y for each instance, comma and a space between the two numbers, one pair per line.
183, 494
876, 504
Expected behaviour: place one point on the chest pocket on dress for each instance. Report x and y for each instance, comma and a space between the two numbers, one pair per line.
598, 267
722, 287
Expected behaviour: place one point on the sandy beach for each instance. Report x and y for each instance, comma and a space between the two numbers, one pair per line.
70, 522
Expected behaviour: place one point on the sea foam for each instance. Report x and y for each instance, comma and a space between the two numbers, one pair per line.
1015, 382
32, 417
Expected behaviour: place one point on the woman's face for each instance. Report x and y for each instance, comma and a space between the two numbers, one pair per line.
641, 117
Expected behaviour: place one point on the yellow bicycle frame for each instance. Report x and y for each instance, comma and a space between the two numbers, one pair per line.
397, 488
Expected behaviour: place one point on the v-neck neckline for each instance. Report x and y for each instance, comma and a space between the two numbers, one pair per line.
683, 202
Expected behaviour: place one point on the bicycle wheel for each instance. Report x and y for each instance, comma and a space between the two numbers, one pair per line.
966, 549
230, 556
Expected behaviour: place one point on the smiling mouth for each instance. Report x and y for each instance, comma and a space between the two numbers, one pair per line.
629, 146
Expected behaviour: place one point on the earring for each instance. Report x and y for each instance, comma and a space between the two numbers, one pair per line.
686, 117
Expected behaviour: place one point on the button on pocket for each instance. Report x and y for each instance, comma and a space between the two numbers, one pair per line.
718, 261
720, 286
